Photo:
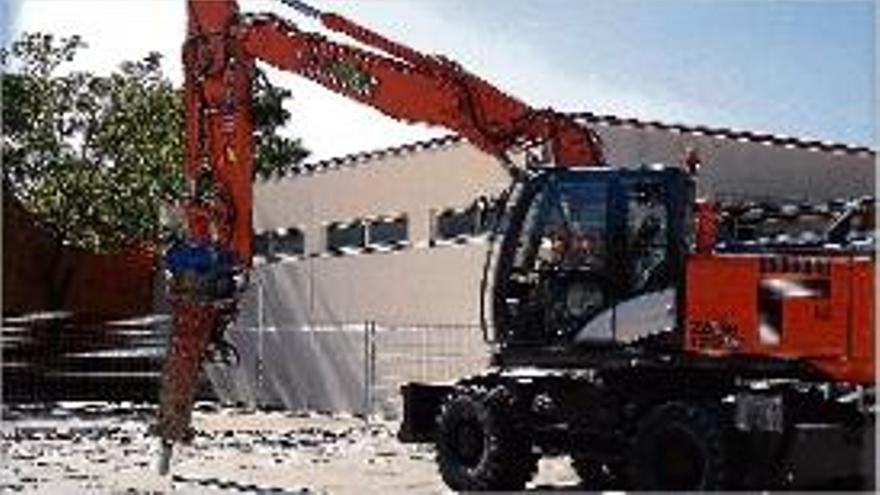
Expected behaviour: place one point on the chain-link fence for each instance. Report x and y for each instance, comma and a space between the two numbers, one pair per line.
424, 353
355, 368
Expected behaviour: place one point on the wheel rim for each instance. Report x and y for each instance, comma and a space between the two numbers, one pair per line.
468, 443
679, 459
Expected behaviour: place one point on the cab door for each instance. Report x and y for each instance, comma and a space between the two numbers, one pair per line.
558, 273
648, 236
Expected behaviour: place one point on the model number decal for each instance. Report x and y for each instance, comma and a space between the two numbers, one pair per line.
714, 334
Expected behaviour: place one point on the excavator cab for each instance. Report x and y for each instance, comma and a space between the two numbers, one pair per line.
592, 256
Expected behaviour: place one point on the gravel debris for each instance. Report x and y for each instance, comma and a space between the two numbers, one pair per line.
62, 448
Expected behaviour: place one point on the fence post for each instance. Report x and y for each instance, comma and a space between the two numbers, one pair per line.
373, 379
260, 328
367, 373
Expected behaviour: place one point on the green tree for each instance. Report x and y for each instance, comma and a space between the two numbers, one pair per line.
97, 156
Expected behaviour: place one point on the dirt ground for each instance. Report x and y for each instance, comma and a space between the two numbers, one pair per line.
104, 448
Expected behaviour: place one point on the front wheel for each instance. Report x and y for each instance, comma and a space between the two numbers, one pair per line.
477, 447
683, 446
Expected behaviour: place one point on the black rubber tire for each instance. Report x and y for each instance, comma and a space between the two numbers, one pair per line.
597, 475
682, 447
478, 448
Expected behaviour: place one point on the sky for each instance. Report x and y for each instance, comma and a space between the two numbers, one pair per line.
804, 68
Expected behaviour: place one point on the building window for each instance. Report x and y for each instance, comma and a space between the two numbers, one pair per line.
453, 225
459, 225
489, 213
388, 232
271, 245
346, 237
261, 247
289, 243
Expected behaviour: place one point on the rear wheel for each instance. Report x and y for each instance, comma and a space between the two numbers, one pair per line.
680, 446
477, 447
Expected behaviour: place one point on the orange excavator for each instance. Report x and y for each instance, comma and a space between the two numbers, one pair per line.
631, 332
209, 267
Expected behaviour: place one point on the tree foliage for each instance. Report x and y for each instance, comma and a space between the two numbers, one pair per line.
97, 156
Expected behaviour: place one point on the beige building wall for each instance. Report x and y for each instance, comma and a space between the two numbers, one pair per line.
416, 285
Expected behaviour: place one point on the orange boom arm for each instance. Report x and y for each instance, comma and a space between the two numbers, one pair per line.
417, 88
